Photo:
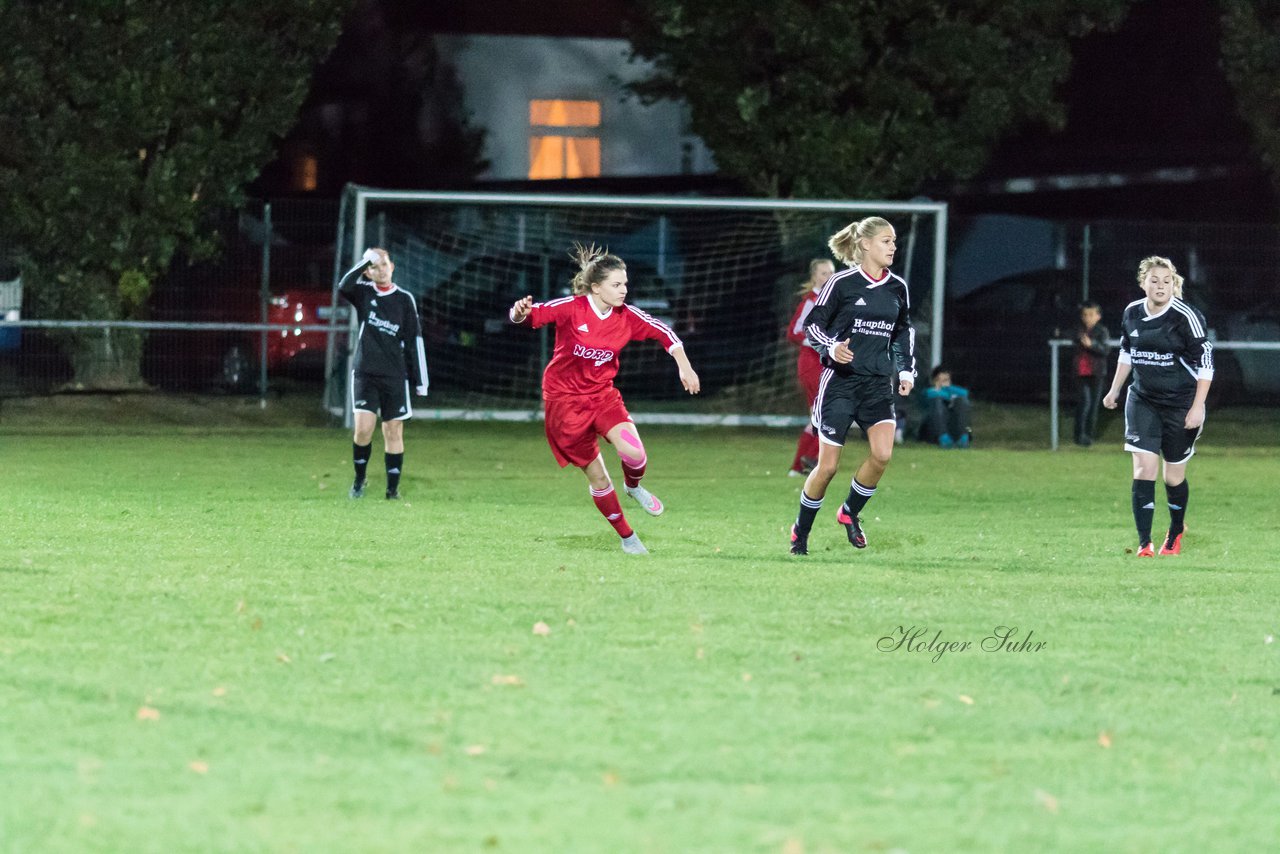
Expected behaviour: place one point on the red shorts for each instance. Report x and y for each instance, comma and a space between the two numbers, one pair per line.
809, 371
574, 423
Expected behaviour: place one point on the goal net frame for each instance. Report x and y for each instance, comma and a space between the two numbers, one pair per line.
355, 209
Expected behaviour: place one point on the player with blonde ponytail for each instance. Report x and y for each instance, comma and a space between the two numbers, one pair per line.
582, 404
861, 329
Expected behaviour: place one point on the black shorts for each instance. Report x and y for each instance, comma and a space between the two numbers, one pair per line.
845, 401
383, 396
1157, 429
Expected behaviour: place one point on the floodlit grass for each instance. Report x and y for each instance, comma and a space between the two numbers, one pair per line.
204, 645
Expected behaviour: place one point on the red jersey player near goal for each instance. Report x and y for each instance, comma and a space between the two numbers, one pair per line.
592, 326
808, 363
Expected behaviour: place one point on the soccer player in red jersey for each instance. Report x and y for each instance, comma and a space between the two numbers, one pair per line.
808, 363
581, 402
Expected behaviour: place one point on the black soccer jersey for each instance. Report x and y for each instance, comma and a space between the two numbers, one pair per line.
872, 315
389, 340
1168, 351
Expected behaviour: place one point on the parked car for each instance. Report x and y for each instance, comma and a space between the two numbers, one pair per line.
229, 360
995, 338
229, 291
1246, 376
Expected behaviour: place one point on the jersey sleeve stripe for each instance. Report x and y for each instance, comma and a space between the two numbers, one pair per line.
1205, 368
1197, 328
906, 291
422, 361
667, 331
830, 285
421, 351
816, 334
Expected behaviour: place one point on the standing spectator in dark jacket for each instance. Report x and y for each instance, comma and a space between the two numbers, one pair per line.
1089, 361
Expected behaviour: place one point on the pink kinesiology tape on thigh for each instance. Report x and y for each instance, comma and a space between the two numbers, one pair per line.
634, 454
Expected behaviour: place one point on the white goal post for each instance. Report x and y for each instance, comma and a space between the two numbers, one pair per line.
724, 273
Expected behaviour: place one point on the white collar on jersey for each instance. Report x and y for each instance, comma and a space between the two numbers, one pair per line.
608, 310
1159, 313
872, 283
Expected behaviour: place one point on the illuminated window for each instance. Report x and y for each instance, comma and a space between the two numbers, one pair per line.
564, 114
305, 172
563, 141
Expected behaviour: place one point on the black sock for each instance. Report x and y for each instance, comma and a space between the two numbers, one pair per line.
394, 463
360, 456
859, 495
809, 508
1177, 506
1144, 507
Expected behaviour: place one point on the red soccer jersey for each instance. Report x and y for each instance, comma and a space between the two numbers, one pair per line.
585, 360
795, 332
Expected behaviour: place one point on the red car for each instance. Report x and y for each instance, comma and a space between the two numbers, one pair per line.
294, 352
228, 359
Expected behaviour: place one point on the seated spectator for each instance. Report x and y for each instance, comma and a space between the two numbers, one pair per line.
946, 412
901, 418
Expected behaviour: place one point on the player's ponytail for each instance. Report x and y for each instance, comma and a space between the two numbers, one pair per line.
846, 244
594, 264
1158, 261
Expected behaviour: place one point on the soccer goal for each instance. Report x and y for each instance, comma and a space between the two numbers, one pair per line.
725, 274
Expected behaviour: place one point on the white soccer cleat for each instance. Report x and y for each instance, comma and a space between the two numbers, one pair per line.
647, 499
632, 545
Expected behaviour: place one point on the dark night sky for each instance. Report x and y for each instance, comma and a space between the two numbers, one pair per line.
1149, 96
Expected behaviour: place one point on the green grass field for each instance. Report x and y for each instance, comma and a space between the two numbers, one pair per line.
205, 646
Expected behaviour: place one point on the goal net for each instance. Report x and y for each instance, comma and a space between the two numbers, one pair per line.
725, 274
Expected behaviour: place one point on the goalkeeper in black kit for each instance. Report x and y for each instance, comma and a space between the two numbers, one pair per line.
861, 329
389, 358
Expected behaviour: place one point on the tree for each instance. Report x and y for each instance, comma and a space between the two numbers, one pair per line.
1251, 60
404, 124
123, 125
856, 99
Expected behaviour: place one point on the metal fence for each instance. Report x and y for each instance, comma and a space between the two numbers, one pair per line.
221, 358
1269, 377
1016, 282
239, 322
255, 315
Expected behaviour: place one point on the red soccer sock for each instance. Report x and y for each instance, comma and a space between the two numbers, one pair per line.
607, 503
631, 472
809, 445
806, 449
796, 464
